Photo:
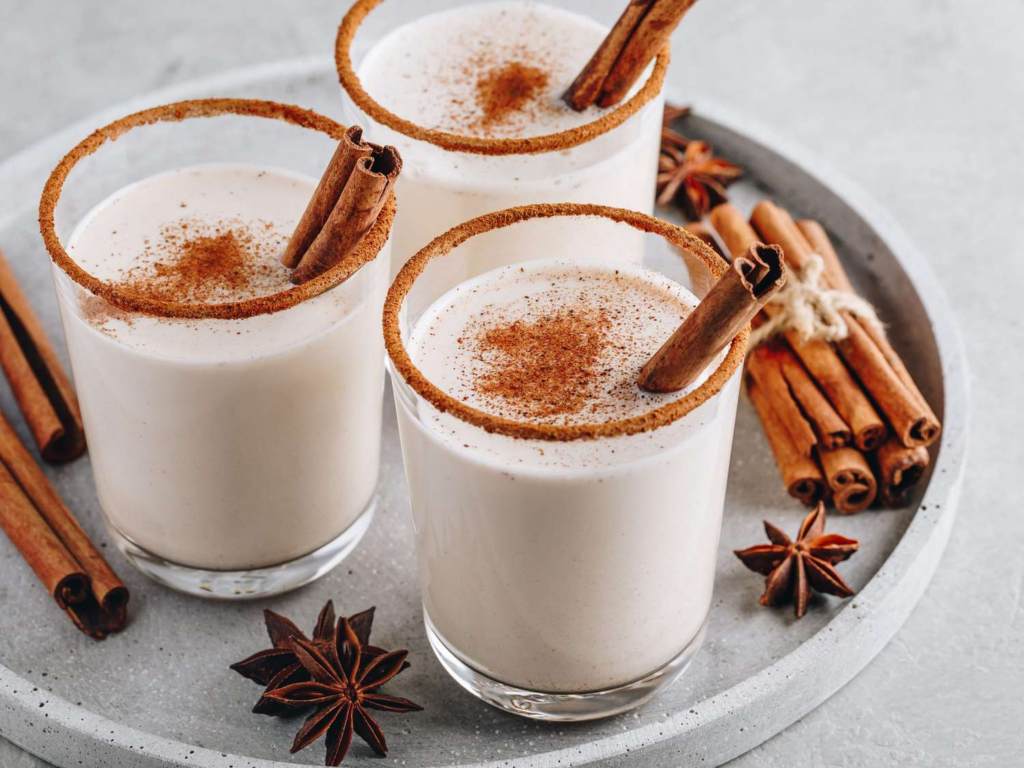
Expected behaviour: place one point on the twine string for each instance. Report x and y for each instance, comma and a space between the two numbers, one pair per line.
812, 310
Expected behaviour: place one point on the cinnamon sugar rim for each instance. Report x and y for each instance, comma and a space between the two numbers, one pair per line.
130, 301
454, 142
525, 430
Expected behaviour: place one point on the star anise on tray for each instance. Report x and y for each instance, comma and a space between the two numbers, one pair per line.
689, 174
342, 687
278, 666
794, 568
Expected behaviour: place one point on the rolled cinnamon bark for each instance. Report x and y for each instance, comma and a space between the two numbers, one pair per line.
586, 88
42, 389
819, 357
703, 231
733, 227
728, 308
899, 470
350, 149
802, 476
830, 429
765, 369
637, 37
850, 479
367, 189
54, 544
819, 240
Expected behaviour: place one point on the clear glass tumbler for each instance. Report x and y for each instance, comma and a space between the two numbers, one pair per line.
608, 157
566, 571
235, 444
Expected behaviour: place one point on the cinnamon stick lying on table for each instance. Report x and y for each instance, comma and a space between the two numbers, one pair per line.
54, 545
640, 33
819, 357
801, 475
899, 470
367, 188
728, 308
42, 389
849, 478
350, 149
895, 395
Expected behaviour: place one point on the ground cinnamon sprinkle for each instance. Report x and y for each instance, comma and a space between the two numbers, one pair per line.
198, 262
548, 367
503, 91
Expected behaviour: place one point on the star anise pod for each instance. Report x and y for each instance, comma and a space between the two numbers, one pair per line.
794, 568
689, 174
278, 666
343, 687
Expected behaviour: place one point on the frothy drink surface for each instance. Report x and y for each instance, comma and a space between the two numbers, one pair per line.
494, 70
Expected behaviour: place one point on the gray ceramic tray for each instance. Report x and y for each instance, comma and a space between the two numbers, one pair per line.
161, 693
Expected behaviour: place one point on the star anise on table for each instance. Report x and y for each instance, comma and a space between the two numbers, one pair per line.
794, 568
342, 687
278, 666
689, 174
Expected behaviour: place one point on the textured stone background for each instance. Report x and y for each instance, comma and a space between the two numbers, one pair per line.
920, 101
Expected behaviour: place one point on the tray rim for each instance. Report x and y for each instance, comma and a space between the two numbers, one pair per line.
887, 599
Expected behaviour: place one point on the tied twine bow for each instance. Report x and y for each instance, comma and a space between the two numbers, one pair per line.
812, 310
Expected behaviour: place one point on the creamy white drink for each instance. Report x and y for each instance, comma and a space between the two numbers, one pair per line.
223, 444
561, 566
496, 71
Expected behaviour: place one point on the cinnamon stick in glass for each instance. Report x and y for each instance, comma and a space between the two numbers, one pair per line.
38, 381
819, 357
849, 478
367, 189
903, 406
54, 545
899, 470
727, 309
350, 149
640, 33
801, 475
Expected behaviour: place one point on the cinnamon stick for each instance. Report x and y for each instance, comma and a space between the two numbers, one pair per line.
42, 389
899, 470
819, 357
54, 545
350, 149
365, 192
830, 429
819, 240
640, 33
703, 231
728, 308
764, 368
850, 479
903, 406
801, 475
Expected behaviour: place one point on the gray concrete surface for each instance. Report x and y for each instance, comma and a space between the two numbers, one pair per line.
919, 101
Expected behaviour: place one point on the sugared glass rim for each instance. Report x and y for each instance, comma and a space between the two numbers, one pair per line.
453, 142
446, 243
367, 250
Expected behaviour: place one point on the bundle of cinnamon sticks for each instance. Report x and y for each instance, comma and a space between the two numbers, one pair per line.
844, 421
31, 512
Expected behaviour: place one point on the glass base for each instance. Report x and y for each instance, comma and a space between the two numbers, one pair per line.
562, 707
247, 584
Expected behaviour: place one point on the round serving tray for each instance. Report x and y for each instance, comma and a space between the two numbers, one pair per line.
161, 693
